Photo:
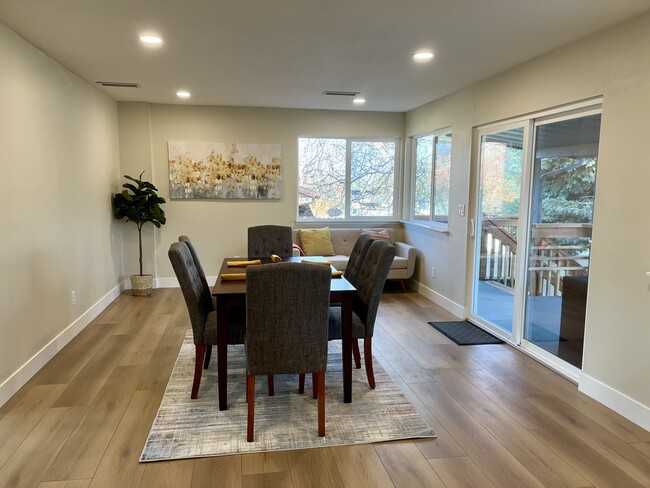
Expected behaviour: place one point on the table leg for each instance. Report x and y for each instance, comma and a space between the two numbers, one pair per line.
222, 350
346, 319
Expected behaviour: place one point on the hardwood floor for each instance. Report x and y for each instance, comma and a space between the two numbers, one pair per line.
502, 419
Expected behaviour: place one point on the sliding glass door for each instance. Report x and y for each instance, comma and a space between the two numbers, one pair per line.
497, 226
535, 192
561, 217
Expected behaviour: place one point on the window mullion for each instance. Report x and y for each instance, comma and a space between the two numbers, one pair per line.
432, 204
348, 177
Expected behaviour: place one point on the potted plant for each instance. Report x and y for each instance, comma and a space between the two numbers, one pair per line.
139, 203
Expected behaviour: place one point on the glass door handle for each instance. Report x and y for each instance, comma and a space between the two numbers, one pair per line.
472, 227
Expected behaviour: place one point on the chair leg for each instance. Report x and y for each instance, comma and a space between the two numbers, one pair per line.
250, 394
321, 404
198, 370
314, 385
401, 282
367, 356
355, 353
271, 384
208, 355
301, 383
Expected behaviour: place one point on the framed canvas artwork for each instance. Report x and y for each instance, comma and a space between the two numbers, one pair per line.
214, 170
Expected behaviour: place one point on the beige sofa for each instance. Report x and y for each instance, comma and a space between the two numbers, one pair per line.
343, 241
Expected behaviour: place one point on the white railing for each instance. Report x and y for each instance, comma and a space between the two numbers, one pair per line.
548, 263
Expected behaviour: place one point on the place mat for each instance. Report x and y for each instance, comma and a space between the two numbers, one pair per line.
233, 276
185, 428
239, 264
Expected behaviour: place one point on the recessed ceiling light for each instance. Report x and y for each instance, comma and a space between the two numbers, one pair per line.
183, 94
151, 40
359, 101
423, 56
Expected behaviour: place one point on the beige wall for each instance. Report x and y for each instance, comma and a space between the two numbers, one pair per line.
615, 64
60, 163
219, 228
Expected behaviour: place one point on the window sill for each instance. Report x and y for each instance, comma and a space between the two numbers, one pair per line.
436, 227
352, 224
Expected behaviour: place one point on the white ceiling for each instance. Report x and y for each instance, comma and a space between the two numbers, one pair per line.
285, 53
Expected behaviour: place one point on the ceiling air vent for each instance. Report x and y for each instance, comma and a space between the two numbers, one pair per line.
341, 93
118, 84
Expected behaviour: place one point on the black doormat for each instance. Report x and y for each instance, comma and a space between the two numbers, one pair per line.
465, 333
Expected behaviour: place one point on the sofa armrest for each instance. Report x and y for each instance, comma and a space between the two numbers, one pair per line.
409, 252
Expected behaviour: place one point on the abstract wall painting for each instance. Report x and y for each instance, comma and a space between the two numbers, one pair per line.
200, 170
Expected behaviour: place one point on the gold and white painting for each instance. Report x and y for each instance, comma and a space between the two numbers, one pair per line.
214, 170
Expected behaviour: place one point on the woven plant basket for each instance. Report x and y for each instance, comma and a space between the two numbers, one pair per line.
141, 285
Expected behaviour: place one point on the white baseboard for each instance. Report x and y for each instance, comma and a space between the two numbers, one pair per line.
23, 374
619, 402
438, 299
165, 283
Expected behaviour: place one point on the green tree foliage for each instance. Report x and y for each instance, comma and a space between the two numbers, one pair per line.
568, 190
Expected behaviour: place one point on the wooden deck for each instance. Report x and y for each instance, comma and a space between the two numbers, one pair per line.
502, 419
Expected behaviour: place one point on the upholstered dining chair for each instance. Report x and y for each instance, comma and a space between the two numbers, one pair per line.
357, 255
352, 270
369, 284
195, 256
286, 331
264, 240
200, 308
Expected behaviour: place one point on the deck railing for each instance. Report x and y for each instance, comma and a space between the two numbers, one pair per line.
548, 263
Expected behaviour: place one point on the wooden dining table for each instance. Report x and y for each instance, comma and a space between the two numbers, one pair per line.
233, 292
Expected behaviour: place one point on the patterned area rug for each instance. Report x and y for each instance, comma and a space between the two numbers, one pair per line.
185, 428
465, 333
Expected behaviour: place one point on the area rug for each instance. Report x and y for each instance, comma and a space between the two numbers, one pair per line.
465, 333
185, 428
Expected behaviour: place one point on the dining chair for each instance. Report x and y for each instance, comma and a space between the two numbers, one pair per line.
352, 270
286, 332
200, 307
195, 257
356, 258
369, 285
265, 240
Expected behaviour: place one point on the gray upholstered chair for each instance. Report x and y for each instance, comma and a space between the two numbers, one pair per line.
352, 270
286, 332
195, 256
264, 240
200, 308
369, 285
358, 253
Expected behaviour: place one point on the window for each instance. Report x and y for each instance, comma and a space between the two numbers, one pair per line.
432, 163
345, 178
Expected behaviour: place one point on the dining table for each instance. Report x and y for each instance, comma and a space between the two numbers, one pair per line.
232, 292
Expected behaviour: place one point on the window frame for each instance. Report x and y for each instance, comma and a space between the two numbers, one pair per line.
349, 140
424, 221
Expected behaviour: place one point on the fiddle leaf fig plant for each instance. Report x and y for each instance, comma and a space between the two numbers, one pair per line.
139, 203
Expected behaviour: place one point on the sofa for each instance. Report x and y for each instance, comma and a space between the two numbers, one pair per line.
343, 241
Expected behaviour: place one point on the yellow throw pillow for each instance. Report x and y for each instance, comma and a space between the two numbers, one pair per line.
316, 242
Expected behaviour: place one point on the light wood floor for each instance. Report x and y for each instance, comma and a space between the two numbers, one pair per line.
502, 419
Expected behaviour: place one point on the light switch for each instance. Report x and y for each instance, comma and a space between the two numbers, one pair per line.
461, 210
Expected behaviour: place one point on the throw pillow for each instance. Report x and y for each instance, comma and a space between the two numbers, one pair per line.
317, 242
299, 249
378, 233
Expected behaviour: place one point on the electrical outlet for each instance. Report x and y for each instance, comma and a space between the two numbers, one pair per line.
461, 210
73, 298
433, 272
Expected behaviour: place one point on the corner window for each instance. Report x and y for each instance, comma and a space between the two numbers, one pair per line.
347, 178
432, 165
